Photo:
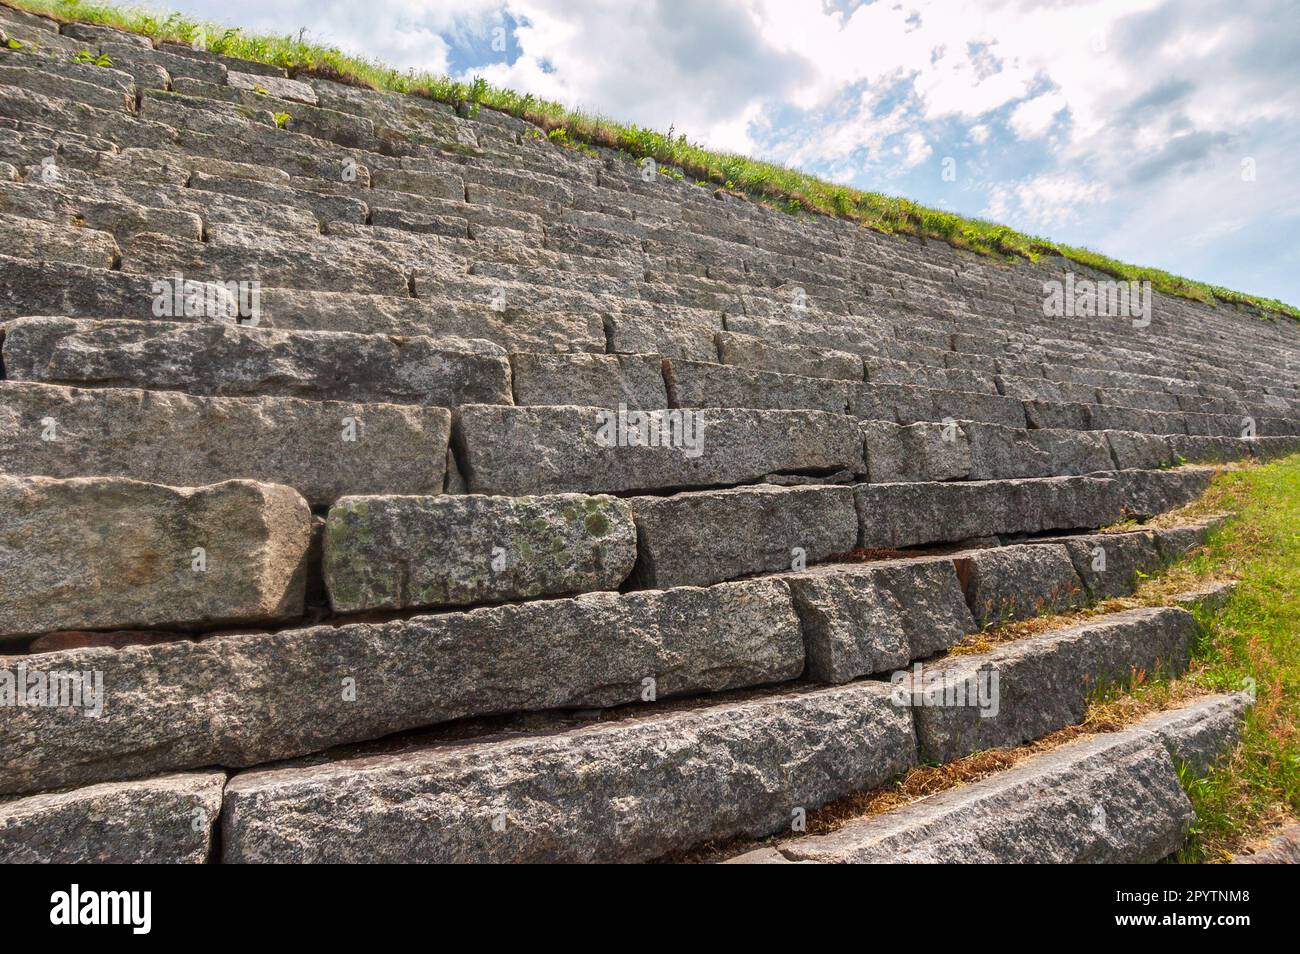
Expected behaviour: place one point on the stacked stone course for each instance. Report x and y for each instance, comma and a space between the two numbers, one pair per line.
380, 418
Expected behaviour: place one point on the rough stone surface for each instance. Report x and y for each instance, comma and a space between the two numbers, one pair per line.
863, 619
590, 380
701, 384
323, 449
624, 791
222, 359
536, 450
714, 535
1147, 493
107, 553
899, 453
1109, 563
398, 552
1011, 583
1022, 690
1103, 800
238, 700
154, 821
910, 514
1108, 798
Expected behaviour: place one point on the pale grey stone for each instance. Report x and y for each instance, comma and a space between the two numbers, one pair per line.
860, 619
224, 359
1109, 564
55, 242
1025, 689
1108, 798
714, 535
899, 453
406, 551
323, 449
171, 819
758, 354
704, 384
239, 700
108, 553
275, 86
1005, 584
629, 790
591, 380
910, 514
531, 450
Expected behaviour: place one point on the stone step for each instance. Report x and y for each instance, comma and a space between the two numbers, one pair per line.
1109, 798
626, 790
395, 552
323, 449
536, 450
1025, 689
170, 819
108, 553
242, 699
224, 359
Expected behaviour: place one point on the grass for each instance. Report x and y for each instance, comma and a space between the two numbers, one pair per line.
776, 185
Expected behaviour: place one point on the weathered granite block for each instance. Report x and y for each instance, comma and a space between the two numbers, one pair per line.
239, 700
1004, 584
703, 384
1109, 563
624, 791
222, 359
714, 535
759, 354
323, 449
451, 550
590, 380
899, 453
860, 619
1022, 690
531, 450
106, 553
154, 821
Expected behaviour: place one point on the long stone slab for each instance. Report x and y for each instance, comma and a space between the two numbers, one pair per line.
998, 452
323, 449
623, 791
108, 553
394, 552
223, 359
1109, 798
703, 384
860, 619
899, 453
910, 514
538, 450
1147, 493
592, 380
1023, 690
238, 700
1109, 563
171, 819
708, 536
1004, 584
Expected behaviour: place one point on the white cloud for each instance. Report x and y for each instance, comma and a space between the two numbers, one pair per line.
1034, 117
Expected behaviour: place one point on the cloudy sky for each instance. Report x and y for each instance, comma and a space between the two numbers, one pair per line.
1162, 132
